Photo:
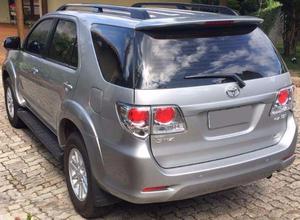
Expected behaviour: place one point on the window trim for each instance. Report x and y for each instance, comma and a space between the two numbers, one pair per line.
50, 40
24, 45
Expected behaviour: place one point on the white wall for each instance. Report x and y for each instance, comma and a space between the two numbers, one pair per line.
4, 12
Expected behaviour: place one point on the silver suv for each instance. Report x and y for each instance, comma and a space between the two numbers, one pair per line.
152, 104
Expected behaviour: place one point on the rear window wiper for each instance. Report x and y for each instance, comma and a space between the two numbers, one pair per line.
235, 77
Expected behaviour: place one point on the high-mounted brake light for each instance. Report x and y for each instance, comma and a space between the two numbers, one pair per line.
141, 120
218, 23
284, 102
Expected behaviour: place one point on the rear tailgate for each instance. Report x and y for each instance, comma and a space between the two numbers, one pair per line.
219, 124
202, 142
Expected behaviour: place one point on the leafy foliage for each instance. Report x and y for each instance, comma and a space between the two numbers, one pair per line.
249, 6
269, 15
234, 4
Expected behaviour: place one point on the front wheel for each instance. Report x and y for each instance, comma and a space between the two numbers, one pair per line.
11, 105
83, 189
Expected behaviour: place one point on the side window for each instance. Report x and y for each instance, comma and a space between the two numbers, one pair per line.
108, 59
114, 51
64, 43
37, 40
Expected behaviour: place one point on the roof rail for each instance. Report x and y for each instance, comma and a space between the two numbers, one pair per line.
134, 12
194, 7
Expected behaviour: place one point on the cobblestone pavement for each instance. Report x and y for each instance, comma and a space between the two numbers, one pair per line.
31, 181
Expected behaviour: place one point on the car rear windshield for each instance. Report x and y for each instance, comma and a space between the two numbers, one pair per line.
166, 57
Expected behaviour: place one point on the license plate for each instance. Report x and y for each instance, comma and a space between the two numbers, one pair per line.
229, 117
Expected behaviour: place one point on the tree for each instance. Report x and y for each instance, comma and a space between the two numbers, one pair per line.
223, 2
291, 21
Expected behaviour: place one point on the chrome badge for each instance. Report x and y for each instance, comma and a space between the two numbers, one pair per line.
233, 91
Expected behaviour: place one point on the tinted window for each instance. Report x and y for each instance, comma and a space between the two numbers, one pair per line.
166, 57
64, 44
114, 53
37, 40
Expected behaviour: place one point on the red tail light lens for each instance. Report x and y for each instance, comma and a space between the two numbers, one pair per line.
164, 115
283, 96
138, 116
284, 103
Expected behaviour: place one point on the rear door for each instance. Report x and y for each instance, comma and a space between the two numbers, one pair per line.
223, 120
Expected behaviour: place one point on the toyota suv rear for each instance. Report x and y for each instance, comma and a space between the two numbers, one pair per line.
152, 104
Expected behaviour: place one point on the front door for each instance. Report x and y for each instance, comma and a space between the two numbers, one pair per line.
29, 68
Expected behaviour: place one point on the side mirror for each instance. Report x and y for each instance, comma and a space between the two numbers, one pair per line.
12, 43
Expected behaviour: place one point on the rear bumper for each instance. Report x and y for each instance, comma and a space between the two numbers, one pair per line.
130, 169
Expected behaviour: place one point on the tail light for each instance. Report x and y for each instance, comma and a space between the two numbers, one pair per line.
143, 120
284, 102
135, 119
167, 119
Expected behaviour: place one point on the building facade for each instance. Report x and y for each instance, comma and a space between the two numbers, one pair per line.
33, 9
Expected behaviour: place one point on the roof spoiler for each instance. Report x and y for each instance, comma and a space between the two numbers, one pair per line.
232, 21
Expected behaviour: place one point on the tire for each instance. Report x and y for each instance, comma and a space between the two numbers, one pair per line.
96, 203
11, 105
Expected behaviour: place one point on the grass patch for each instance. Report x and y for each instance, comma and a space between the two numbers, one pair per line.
293, 67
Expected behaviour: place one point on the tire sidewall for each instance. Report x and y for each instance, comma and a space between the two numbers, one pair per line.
12, 120
83, 207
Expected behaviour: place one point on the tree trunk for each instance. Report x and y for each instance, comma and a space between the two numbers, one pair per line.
290, 34
223, 2
20, 19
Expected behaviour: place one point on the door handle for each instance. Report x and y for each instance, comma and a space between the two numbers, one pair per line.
68, 86
34, 70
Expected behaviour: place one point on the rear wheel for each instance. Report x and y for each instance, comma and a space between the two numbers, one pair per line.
12, 105
83, 189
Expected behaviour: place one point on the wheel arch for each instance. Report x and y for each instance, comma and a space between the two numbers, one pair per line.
75, 118
66, 127
8, 71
